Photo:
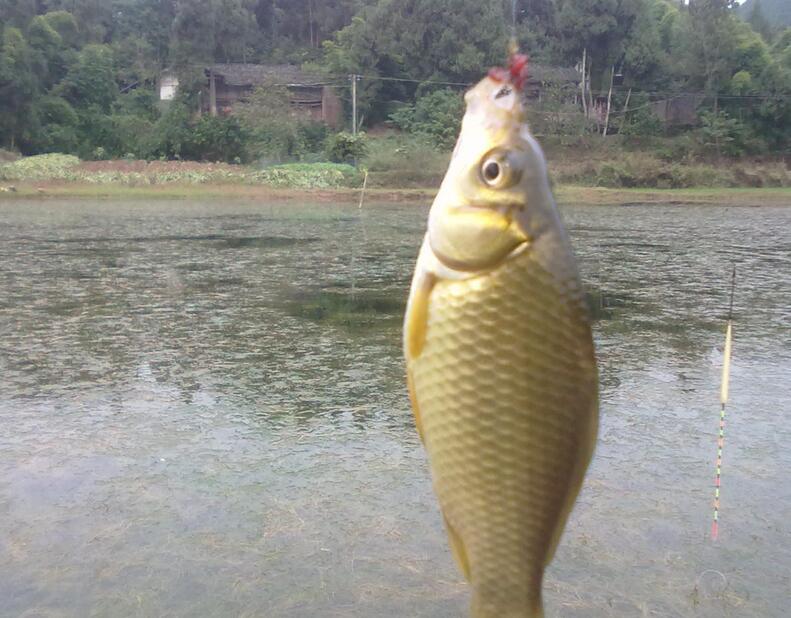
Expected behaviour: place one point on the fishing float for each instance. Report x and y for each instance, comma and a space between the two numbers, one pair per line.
726, 371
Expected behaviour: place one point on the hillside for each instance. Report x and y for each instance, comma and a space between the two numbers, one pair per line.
777, 12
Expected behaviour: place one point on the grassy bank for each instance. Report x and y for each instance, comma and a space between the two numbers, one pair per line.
565, 194
399, 170
60, 168
396, 160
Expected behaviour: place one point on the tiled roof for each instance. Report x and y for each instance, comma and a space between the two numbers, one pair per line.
544, 73
258, 74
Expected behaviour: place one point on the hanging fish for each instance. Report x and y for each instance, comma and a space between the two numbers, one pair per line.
500, 360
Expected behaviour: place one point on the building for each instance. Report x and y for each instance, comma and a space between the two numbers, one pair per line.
228, 83
680, 110
561, 82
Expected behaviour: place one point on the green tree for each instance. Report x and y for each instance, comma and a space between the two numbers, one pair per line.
707, 45
95, 17
146, 20
536, 26
645, 62
58, 126
758, 22
91, 80
600, 28
18, 88
52, 52
781, 50
17, 13
276, 132
435, 116
213, 30
446, 40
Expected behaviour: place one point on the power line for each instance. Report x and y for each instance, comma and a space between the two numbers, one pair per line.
663, 93
336, 81
416, 81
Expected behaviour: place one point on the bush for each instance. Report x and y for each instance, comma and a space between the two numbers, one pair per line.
309, 176
723, 134
403, 160
216, 138
58, 124
642, 121
171, 132
311, 138
136, 134
345, 148
274, 132
7, 156
643, 170
291, 139
39, 167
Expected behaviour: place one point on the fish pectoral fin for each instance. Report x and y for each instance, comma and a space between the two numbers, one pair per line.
457, 548
415, 327
416, 323
413, 400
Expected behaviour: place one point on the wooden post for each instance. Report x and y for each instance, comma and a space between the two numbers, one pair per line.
609, 103
626, 105
584, 97
212, 94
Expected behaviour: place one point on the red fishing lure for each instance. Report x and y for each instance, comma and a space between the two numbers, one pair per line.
516, 73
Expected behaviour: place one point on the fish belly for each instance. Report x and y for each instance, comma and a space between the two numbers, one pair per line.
506, 386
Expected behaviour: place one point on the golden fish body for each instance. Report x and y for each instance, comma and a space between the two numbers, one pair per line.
500, 360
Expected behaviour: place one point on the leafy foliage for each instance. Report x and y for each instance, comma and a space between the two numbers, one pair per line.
436, 116
81, 75
216, 138
275, 132
723, 133
345, 147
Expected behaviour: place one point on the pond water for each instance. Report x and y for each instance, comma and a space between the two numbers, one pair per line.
204, 414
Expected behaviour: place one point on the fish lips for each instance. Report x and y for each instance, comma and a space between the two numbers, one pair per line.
472, 238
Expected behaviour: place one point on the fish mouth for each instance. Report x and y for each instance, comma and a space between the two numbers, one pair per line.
479, 267
474, 238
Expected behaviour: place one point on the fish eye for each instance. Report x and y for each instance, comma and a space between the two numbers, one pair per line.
496, 170
491, 171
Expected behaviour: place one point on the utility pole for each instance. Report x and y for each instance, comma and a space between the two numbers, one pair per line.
354, 79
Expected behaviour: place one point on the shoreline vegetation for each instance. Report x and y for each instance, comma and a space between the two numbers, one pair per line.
143, 92
578, 176
565, 194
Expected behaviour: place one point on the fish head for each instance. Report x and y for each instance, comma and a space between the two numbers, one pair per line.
495, 198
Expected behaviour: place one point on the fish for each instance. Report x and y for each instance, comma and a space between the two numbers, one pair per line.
500, 362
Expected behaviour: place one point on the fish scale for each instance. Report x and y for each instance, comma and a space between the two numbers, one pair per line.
505, 382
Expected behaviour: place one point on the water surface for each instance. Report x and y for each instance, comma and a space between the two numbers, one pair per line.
203, 413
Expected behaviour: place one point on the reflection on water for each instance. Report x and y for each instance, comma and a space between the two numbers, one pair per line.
204, 414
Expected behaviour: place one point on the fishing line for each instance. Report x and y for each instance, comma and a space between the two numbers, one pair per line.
513, 21
726, 370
